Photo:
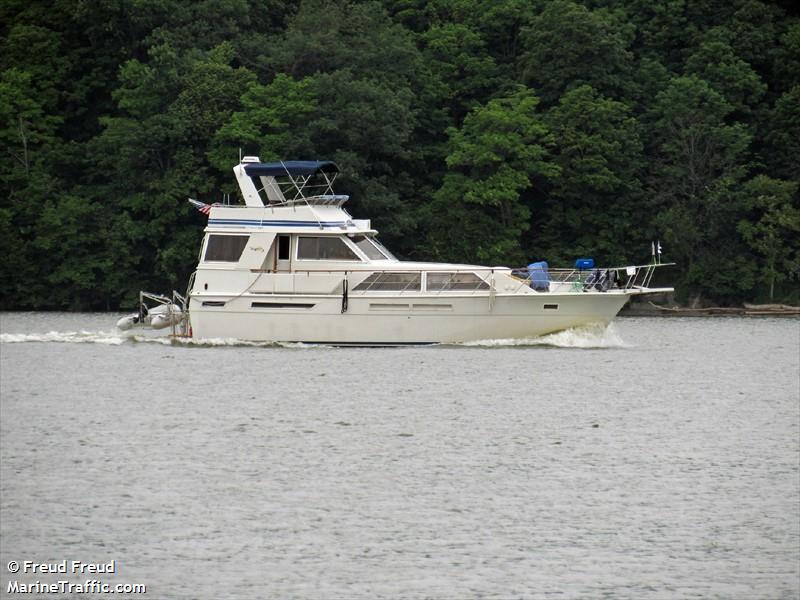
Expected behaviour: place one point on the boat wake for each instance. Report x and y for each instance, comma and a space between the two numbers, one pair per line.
587, 336
594, 336
118, 338
111, 338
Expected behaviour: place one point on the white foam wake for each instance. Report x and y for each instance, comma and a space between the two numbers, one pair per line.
113, 338
586, 336
590, 336
116, 338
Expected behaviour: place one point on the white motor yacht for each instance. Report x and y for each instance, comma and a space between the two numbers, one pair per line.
292, 265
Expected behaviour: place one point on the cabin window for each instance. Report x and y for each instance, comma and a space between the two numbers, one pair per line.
225, 248
283, 247
367, 247
324, 248
391, 282
445, 282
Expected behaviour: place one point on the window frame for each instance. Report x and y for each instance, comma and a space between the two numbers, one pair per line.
343, 239
373, 244
246, 237
386, 252
370, 289
480, 285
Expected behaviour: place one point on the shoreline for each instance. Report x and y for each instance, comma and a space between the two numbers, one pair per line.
650, 309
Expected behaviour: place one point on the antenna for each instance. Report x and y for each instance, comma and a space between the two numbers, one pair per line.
240, 155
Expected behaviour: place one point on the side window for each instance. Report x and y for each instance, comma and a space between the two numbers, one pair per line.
390, 282
443, 282
283, 247
324, 248
225, 248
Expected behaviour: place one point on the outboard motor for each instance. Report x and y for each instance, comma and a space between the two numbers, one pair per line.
540, 278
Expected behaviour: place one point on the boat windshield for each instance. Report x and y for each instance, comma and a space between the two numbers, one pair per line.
382, 248
370, 247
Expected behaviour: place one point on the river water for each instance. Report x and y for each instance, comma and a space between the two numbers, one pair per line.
657, 459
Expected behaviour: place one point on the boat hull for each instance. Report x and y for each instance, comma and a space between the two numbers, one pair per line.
394, 320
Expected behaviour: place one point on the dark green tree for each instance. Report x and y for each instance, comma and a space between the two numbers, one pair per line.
479, 214
715, 61
593, 206
568, 45
664, 30
458, 59
782, 124
273, 124
30, 146
700, 165
772, 230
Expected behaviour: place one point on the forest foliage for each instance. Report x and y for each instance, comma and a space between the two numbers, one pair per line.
488, 131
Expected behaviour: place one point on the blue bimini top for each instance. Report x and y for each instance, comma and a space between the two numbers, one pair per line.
291, 168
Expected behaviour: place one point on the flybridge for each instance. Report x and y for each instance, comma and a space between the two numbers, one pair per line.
287, 183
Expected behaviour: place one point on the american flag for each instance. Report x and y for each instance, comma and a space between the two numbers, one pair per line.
201, 206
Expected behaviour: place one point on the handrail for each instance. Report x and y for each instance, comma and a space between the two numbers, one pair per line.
563, 280
366, 267
336, 200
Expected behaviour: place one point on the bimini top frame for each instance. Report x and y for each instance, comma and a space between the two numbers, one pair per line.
291, 168
288, 182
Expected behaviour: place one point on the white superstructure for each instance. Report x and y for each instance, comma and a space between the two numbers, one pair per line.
292, 265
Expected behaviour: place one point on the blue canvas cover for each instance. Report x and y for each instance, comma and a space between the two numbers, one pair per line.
292, 168
540, 278
584, 263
